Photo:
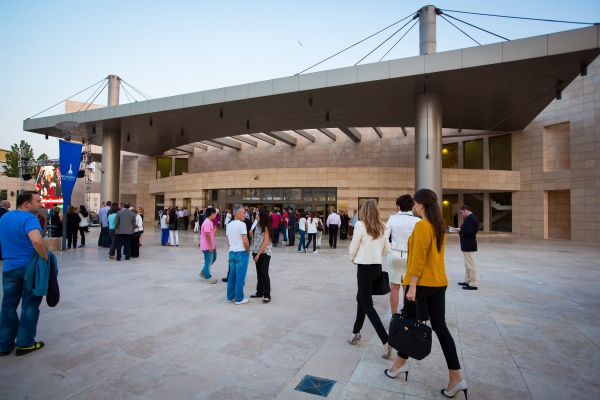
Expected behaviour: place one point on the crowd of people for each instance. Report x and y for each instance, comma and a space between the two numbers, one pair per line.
121, 229
412, 243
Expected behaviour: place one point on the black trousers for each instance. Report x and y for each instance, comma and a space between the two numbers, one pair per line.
71, 237
291, 236
333, 232
186, 222
123, 240
135, 245
263, 284
365, 276
82, 234
104, 239
432, 302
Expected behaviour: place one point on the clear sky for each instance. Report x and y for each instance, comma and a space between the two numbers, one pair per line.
50, 50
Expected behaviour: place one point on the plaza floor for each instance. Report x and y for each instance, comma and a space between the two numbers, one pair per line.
150, 328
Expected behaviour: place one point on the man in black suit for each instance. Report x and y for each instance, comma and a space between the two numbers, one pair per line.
468, 245
291, 222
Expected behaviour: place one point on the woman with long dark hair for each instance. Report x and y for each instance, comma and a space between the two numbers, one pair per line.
112, 216
83, 225
73, 221
425, 286
56, 222
173, 232
263, 249
370, 243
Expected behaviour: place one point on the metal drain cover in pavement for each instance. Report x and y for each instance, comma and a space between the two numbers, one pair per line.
317, 386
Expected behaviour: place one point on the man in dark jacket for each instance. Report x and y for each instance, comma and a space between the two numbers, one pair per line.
124, 226
468, 245
292, 219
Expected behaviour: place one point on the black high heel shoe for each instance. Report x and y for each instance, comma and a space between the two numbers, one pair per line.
460, 387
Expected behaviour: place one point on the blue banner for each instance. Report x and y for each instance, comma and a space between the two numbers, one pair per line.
70, 157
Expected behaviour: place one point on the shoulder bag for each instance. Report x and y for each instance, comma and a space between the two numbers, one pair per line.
381, 285
410, 336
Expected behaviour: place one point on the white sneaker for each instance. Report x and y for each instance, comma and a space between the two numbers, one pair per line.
230, 301
201, 274
237, 303
210, 280
315, 252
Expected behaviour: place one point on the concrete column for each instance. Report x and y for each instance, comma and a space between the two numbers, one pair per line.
487, 213
461, 154
111, 164
486, 152
427, 30
111, 149
428, 143
461, 202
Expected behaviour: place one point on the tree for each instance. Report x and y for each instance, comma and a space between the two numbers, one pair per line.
11, 168
43, 156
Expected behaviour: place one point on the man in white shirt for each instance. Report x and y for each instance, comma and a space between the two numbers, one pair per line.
180, 219
401, 226
239, 247
333, 223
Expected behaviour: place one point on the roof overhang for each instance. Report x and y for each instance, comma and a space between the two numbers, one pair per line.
480, 86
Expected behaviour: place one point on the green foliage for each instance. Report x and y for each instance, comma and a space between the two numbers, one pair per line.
43, 156
11, 168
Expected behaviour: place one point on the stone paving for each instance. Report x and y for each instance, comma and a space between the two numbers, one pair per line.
149, 328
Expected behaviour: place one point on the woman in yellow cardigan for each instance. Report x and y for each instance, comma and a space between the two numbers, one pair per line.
426, 281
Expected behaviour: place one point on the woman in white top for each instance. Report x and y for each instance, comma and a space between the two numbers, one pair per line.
319, 232
302, 227
312, 224
227, 217
370, 243
164, 227
401, 227
83, 224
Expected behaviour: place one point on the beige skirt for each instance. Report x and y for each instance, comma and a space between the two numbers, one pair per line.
396, 264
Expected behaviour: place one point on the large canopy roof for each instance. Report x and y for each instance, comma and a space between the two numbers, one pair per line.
480, 86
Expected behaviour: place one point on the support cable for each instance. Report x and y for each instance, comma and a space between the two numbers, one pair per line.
68, 98
137, 90
513, 113
450, 22
130, 94
88, 99
101, 90
393, 34
339, 52
406, 33
481, 29
125, 91
525, 18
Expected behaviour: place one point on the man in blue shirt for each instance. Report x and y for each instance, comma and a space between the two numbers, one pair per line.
353, 223
20, 235
104, 239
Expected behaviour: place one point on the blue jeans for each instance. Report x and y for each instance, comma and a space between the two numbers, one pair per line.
301, 245
164, 237
284, 230
238, 267
275, 236
16, 290
312, 237
209, 259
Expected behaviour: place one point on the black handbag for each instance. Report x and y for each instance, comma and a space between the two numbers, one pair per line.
410, 337
381, 285
53, 296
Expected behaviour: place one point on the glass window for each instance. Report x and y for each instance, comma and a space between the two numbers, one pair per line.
307, 194
163, 167
501, 206
475, 201
230, 192
181, 166
215, 195
474, 154
450, 209
331, 195
296, 194
267, 194
319, 194
159, 203
362, 200
287, 194
450, 155
277, 194
501, 152
208, 196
